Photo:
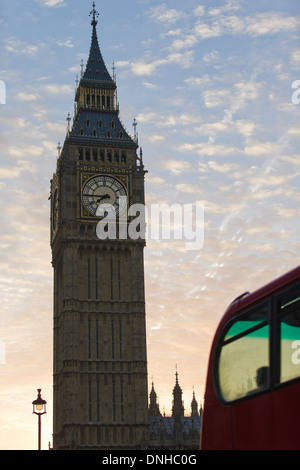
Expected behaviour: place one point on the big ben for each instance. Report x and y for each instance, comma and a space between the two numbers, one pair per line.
100, 363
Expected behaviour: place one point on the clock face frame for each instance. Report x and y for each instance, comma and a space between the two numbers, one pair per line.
104, 190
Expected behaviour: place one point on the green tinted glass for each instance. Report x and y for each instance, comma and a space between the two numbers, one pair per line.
244, 356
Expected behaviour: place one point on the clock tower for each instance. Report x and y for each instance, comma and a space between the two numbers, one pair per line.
100, 389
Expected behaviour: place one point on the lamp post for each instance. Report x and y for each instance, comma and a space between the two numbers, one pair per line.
39, 408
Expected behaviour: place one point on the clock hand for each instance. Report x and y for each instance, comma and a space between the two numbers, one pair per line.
106, 196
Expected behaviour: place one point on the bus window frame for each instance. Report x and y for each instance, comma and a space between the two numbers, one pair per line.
279, 315
216, 360
274, 318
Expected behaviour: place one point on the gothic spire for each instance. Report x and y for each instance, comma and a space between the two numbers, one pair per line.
178, 408
95, 14
96, 71
194, 406
96, 109
154, 406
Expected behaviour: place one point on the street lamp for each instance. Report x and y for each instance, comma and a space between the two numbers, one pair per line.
39, 408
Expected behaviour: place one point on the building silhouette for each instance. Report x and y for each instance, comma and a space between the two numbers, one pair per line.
178, 431
100, 391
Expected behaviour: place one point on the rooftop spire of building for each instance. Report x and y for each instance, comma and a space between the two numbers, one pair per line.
154, 406
96, 71
96, 110
194, 406
95, 14
178, 408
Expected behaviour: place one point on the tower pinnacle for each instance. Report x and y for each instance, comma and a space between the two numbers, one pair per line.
95, 14
178, 408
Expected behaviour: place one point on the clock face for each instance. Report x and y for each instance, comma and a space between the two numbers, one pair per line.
106, 190
54, 211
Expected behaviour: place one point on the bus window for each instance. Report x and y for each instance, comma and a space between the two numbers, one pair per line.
290, 336
244, 356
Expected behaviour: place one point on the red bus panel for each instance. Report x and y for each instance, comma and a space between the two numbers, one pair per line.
253, 379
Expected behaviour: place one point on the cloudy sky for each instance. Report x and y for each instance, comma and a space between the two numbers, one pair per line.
210, 84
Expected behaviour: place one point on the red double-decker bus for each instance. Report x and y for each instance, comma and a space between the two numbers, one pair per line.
252, 396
